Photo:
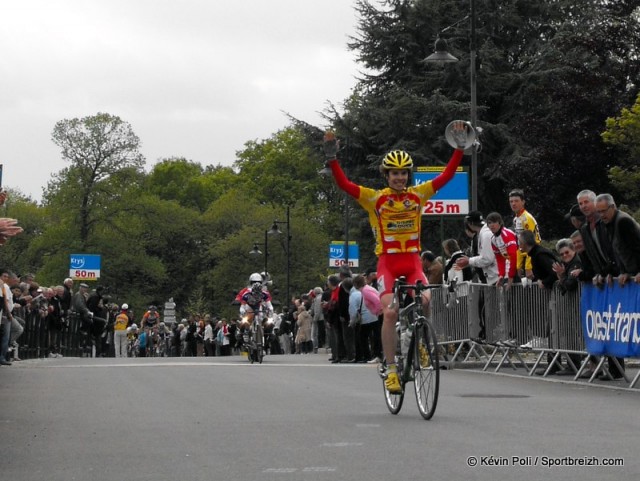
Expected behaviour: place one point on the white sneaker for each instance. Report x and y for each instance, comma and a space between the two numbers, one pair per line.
528, 345
375, 360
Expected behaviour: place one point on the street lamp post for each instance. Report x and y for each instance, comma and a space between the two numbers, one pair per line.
276, 231
256, 251
440, 56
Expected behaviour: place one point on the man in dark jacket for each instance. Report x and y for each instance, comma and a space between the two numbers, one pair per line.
624, 234
598, 255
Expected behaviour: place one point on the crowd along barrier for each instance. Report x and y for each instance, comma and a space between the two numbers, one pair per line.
521, 327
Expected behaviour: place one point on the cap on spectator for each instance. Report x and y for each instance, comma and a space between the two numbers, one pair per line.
125, 307
474, 217
82, 284
574, 212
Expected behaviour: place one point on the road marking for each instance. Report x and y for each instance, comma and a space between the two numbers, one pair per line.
340, 445
40, 363
310, 469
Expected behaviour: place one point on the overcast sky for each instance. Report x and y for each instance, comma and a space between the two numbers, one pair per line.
194, 78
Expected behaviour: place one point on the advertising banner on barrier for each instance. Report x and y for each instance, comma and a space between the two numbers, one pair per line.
611, 320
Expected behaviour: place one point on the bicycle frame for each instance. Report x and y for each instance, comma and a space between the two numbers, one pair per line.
421, 365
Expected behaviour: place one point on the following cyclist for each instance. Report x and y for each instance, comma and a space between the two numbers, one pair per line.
395, 215
149, 325
251, 299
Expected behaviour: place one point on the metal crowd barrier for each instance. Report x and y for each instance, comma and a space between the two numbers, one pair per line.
35, 341
517, 327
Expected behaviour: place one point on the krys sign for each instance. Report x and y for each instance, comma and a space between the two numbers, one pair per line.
84, 267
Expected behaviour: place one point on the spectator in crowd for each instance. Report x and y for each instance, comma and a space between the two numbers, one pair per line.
569, 263
15, 323
226, 338
542, 266
96, 304
453, 252
79, 305
67, 296
55, 322
624, 234
317, 315
575, 216
472, 251
567, 271
371, 277
7, 318
184, 332
200, 335
371, 280
505, 248
209, 340
522, 221
484, 259
303, 334
366, 299
432, 267
192, 328
542, 260
348, 332
120, 332
599, 258
332, 318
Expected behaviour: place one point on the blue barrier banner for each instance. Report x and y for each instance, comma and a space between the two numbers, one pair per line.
611, 320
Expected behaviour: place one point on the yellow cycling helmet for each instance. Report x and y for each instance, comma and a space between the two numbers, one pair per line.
397, 159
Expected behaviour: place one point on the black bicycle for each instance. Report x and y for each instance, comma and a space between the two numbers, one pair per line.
418, 362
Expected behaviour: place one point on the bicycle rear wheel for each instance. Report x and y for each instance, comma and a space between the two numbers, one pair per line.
394, 401
426, 366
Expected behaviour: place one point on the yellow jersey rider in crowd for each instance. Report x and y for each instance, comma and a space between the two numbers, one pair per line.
395, 215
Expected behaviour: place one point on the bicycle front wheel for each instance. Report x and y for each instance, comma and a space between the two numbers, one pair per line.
426, 366
394, 401
259, 344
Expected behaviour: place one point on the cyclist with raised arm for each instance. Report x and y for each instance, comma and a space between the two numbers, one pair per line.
395, 214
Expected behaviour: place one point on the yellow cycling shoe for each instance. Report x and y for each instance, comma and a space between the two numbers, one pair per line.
392, 383
425, 361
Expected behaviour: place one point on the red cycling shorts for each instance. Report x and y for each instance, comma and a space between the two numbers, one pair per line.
392, 266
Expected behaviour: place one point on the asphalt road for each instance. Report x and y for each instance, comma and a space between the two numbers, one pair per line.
300, 418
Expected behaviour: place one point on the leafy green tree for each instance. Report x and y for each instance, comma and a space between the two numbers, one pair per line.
549, 73
283, 169
104, 155
189, 183
623, 132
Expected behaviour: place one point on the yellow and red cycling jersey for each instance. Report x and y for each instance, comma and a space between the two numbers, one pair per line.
395, 216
